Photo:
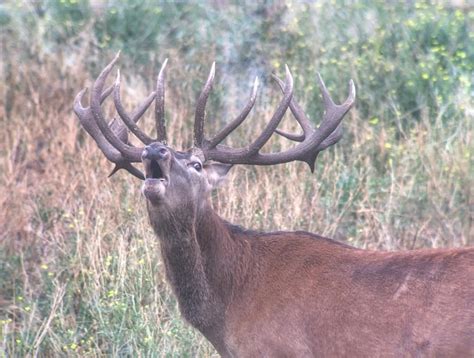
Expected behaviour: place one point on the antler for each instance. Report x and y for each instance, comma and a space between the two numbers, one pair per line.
113, 140
311, 142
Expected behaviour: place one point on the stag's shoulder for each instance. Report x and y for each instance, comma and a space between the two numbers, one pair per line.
303, 238
296, 237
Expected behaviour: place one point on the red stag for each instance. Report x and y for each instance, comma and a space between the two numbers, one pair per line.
281, 294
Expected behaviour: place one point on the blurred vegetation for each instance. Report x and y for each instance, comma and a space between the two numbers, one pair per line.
80, 271
407, 56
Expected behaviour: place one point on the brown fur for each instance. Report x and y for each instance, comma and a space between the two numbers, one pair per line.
300, 295
295, 294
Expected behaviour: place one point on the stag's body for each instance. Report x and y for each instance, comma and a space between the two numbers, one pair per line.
281, 294
295, 294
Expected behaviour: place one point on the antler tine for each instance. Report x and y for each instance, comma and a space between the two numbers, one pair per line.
332, 139
299, 115
141, 109
120, 129
291, 136
130, 153
106, 93
224, 132
333, 113
160, 104
295, 108
124, 116
201, 108
328, 102
129, 168
277, 116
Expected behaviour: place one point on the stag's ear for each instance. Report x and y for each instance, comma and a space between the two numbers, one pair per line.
216, 173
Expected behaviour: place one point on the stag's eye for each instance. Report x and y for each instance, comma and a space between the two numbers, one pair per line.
196, 165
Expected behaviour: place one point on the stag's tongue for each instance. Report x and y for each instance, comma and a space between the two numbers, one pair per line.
156, 171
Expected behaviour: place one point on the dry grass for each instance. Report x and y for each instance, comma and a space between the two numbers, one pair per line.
80, 269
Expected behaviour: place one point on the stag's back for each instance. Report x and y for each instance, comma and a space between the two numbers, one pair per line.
317, 297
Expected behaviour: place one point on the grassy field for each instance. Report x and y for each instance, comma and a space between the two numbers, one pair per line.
80, 270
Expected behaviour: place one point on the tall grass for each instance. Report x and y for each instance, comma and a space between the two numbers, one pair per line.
80, 272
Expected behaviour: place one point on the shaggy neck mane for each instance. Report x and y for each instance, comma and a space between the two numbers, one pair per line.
204, 262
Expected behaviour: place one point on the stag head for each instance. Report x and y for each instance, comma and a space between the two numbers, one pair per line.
174, 178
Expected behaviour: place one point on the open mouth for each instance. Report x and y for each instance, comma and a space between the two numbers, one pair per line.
155, 171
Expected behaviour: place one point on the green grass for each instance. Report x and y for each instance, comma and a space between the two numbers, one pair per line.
80, 269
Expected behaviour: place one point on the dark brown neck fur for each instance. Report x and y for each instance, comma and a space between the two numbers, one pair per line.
204, 263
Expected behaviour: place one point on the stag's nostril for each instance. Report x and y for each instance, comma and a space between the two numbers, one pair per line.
154, 153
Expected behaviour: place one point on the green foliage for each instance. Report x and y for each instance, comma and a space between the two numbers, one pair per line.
132, 26
404, 57
65, 19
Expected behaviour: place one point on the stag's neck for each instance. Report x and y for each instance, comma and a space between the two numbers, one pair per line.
202, 259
